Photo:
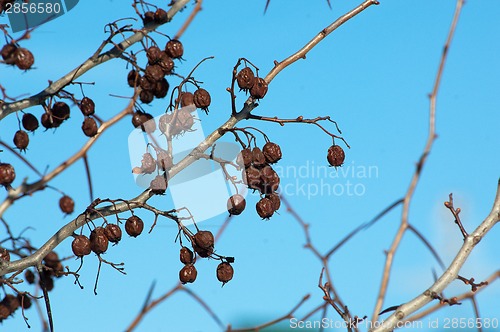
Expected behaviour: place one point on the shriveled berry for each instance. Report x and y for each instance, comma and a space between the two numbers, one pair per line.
275, 199
29, 276
21, 140
89, 127
81, 246
52, 261
186, 255
245, 158
66, 204
148, 163
146, 96
166, 63
160, 89
24, 301
153, 54
133, 78
335, 155
60, 110
258, 158
30, 122
4, 254
203, 243
269, 179
259, 88
251, 177
224, 272
113, 233
24, 58
134, 226
87, 106
144, 121
154, 73
146, 84
201, 99
178, 122
236, 204
163, 159
245, 78
7, 174
161, 16
188, 274
98, 240
187, 98
264, 208
272, 152
7, 52
174, 49
4, 312
11, 302
48, 121
149, 17
46, 280
159, 185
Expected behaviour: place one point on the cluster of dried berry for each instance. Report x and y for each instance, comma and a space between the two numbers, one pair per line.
247, 81
10, 303
18, 56
100, 237
203, 246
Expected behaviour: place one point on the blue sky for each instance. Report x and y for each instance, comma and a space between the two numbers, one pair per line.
372, 76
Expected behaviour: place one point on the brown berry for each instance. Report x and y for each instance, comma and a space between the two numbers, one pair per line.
113, 233
201, 99
245, 78
46, 280
245, 158
148, 163
98, 240
89, 127
188, 274
146, 96
236, 204
143, 120
203, 243
7, 52
272, 152
7, 174
67, 204
186, 256
21, 140
24, 58
153, 54
164, 160
149, 18
48, 121
187, 98
160, 89
29, 276
259, 88
275, 199
224, 272
60, 110
133, 78
174, 49
4, 311
161, 16
335, 156
52, 261
166, 63
4, 254
264, 208
270, 180
154, 73
24, 301
159, 185
81, 246
134, 226
251, 177
87, 106
30, 122
11, 302
258, 158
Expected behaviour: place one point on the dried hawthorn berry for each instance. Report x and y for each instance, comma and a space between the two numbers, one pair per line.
46, 281
335, 156
149, 17
269, 179
87, 106
161, 16
52, 260
29, 276
259, 88
133, 78
160, 89
48, 121
187, 98
67, 204
113, 233
7, 52
24, 301
186, 256
30, 122
203, 243
236, 204
4, 254
143, 120
166, 63
148, 163
154, 73
4, 312
275, 199
98, 240
174, 49
153, 54
134, 226
81, 246
21, 140
177, 122
245, 158
272, 152
188, 274
251, 177
7, 174
89, 127
258, 158
24, 58
201, 99
245, 78
163, 159
146, 84
60, 110
159, 185
264, 208
11, 302
146, 96
224, 272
